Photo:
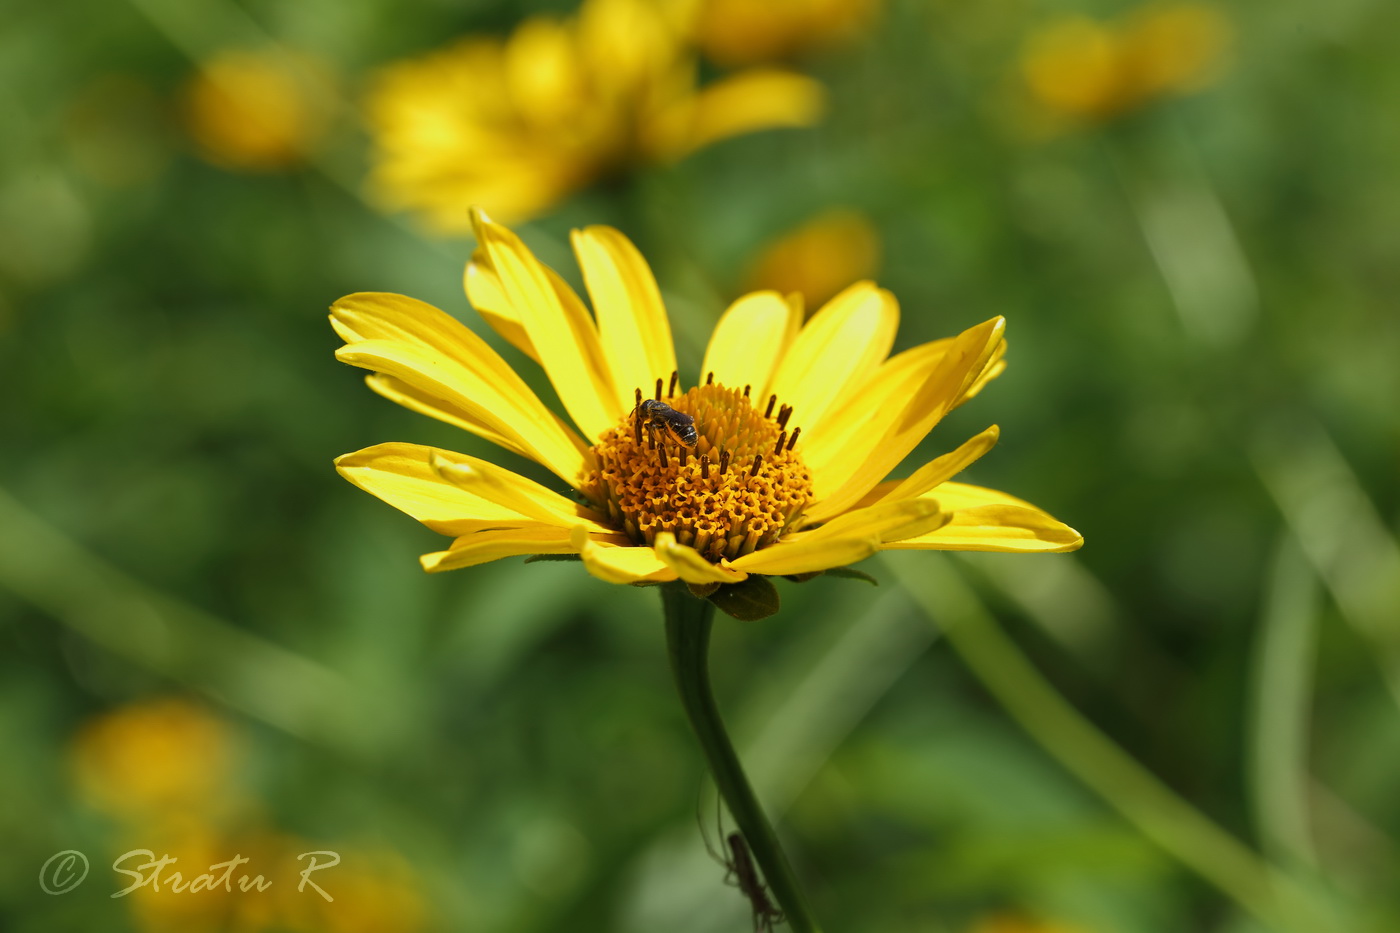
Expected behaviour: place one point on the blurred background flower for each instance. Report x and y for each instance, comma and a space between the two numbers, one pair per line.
257, 110
738, 32
155, 759
516, 125
1080, 69
818, 258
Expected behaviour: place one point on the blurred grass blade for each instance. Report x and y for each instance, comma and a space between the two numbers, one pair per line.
1138, 795
1338, 531
824, 703
1191, 238
168, 637
1282, 699
1065, 599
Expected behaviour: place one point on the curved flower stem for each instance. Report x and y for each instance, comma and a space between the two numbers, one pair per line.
688, 621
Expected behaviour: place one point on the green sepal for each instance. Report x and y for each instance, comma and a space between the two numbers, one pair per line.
850, 573
703, 590
534, 557
753, 599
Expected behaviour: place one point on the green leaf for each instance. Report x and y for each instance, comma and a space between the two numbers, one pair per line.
534, 557
756, 598
851, 574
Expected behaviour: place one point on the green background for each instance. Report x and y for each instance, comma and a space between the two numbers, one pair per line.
1204, 371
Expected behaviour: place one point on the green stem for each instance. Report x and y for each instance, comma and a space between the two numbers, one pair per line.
1162, 816
688, 622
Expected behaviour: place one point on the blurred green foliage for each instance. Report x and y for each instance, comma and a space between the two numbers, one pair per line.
1203, 380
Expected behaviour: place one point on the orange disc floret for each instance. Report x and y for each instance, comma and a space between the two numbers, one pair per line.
735, 492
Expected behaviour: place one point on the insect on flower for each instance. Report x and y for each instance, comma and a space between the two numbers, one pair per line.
741, 872
743, 494
746, 878
676, 425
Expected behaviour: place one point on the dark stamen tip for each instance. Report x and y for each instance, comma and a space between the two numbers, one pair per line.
793, 440
782, 439
658, 388
709, 378
746, 390
768, 412
757, 462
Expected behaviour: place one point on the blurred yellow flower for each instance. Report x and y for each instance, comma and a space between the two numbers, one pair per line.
154, 757
819, 258
516, 125
741, 32
741, 494
256, 110
1011, 923
1082, 70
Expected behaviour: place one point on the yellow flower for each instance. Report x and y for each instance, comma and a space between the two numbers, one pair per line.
256, 110
735, 32
160, 756
518, 125
796, 426
1082, 70
819, 258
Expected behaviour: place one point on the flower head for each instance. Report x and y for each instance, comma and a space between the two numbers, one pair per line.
820, 257
157, 756
795, 426
517, 125
1082, 70
256, 110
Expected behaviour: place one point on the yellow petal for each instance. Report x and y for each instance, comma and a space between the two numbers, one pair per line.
620, 564
396, 390
846, 539
836, 352
827, 452
510, 490
750, 339
941, 469
751, 100
990, 520
495, 543
442, 360
632, 323
994, 367
484, 291
400, 475
689, 565
887, 419
560, 330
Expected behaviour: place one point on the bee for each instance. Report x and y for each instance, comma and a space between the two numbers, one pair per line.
677, 425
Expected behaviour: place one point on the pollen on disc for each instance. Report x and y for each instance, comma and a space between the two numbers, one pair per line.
719, 513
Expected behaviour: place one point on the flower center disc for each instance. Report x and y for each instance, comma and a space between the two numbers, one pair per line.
733, 493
